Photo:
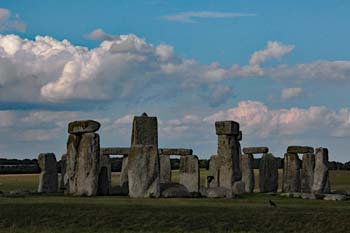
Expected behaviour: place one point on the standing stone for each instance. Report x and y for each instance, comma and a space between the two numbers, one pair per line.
213, 172
165, 169
228, 153
189, 173
291, 173
105, 175
143, 160
48, 179
321, 175
268, 172
143, 171
83, 152
63, 164
124, 182
307, 172
248, 172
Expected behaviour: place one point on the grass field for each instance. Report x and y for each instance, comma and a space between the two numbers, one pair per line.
251, 213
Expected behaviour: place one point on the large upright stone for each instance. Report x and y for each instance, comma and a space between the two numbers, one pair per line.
228, 153
124, 181
268, 172
213, 172
248, 172
307, 172
189, 173
143, 159
83, 164
48, 179
105, 175
291, 173
165, 169
143, 171
321, 177
63, 164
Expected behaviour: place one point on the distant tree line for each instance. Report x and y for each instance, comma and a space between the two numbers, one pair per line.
27, 166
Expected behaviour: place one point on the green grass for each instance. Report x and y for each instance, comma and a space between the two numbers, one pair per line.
251, 213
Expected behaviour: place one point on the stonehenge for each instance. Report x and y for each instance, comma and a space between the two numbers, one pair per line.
48, 179
83, 158
146, 168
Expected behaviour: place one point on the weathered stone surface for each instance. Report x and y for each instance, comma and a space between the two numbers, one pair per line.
268, 172
171, 190
321, 172
175, 151
334, 197
227, 128
165, 169
291, 173
229, 160
48, 179
143, 171
105, 175
145, 131
213, 172
307, 172
214, 192
189, 172
79, 127
300, 149
248, 172
255, 150
124, 181
238, 188
63, 164
83, 164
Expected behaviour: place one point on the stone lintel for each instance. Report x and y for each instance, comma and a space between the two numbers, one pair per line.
161, 151
255, 150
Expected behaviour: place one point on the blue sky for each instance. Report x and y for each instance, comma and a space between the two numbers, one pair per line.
282, 69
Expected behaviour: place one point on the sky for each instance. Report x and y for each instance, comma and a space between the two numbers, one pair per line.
281, 69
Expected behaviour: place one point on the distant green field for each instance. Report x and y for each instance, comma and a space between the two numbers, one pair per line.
250, 213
